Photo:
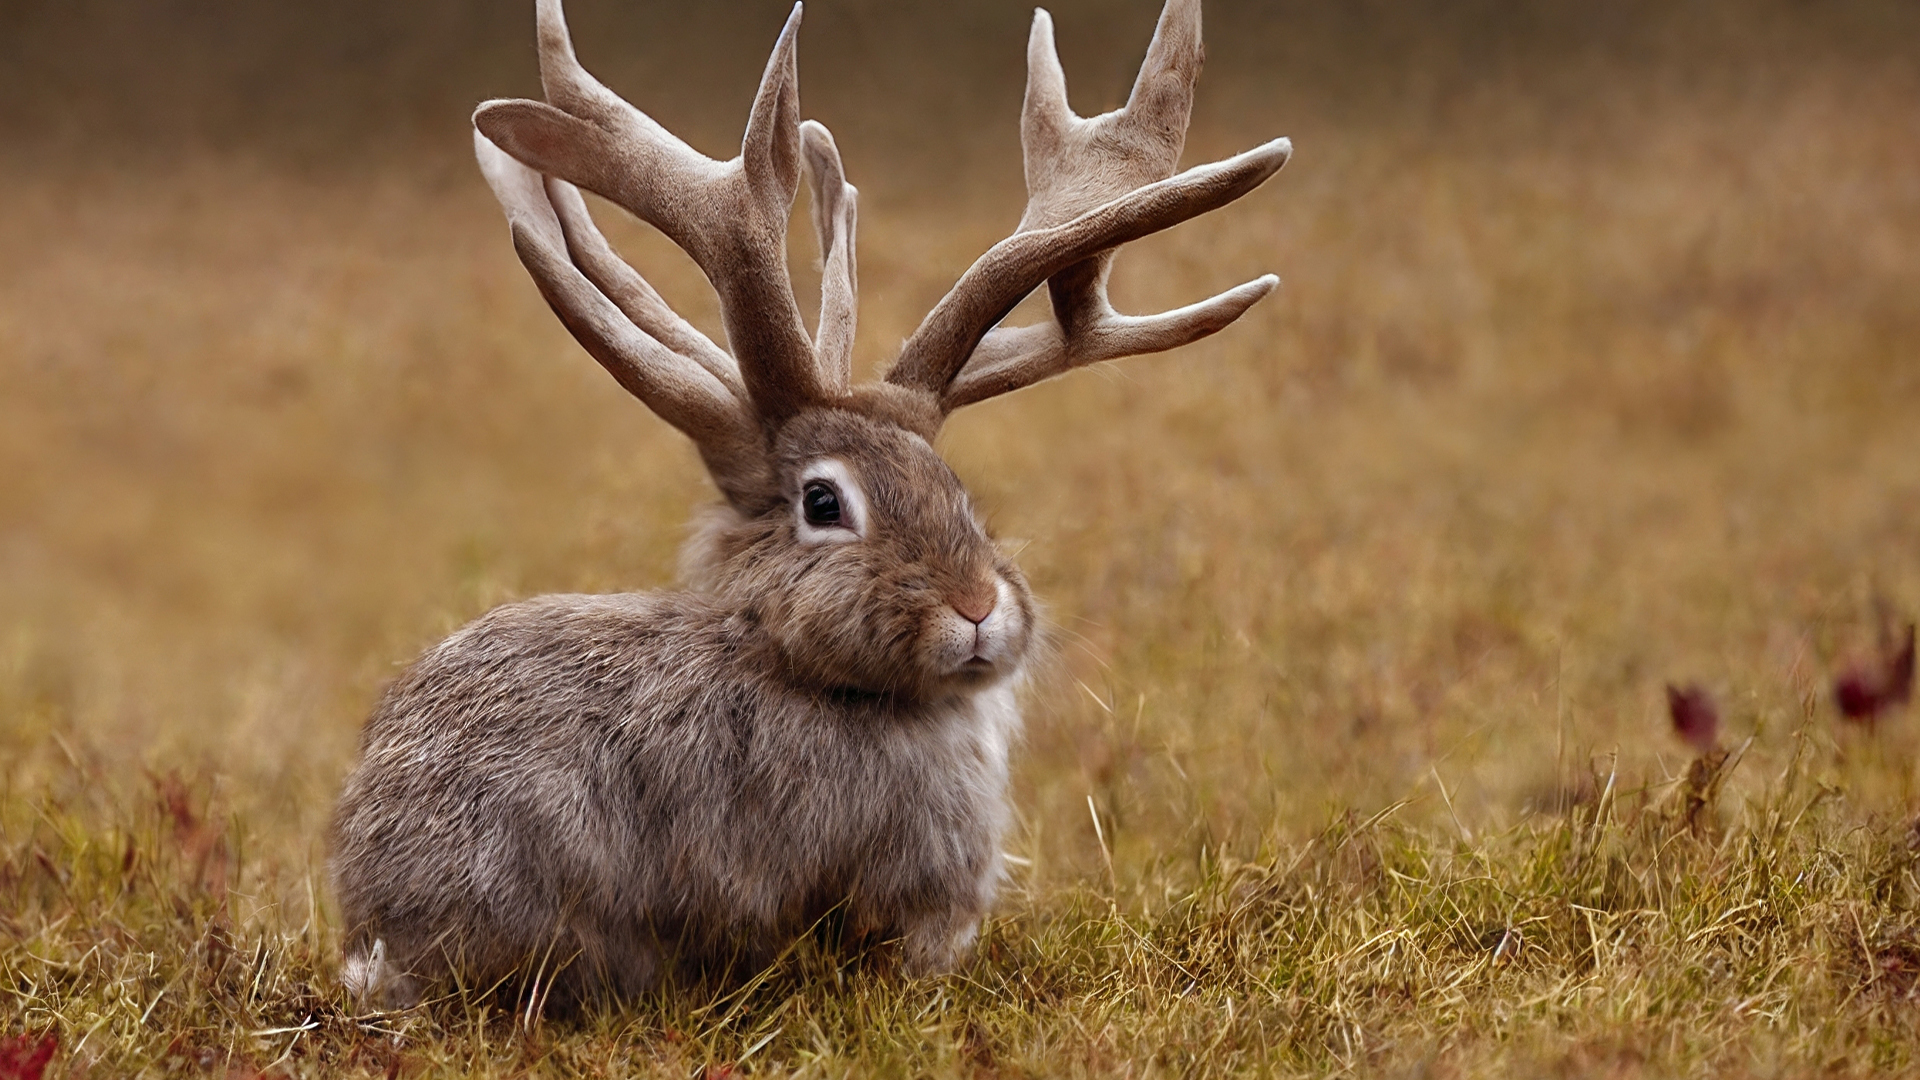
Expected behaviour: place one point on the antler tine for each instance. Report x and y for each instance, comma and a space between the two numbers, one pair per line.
770, 149
682, 392
1011, 358
834, 211
731, 217
567, 84
1162, 98
1110, 167
630, 292
1045, 116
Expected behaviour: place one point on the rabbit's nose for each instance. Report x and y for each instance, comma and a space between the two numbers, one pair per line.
975, 604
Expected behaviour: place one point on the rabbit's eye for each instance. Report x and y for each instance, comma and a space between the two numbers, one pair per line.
820, 503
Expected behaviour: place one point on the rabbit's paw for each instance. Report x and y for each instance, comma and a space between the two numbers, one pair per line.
937, 944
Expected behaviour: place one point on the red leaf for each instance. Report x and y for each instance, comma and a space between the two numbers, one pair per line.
24, 1057
1696, 719
1867, 688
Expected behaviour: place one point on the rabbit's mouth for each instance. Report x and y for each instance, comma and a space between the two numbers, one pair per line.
973, 673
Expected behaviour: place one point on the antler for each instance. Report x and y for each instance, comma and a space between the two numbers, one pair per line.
1092, 185
730, 216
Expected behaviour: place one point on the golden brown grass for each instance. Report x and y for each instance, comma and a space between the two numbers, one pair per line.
1583, 380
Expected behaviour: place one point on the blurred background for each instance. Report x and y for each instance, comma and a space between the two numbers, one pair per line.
1596, 365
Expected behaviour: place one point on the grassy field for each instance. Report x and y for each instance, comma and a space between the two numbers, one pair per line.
1596, 367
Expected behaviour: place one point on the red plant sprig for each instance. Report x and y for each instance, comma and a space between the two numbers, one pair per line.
1696, 719
1867, 688
25, 1057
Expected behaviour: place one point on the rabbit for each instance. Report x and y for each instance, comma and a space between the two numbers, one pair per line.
617, 779
593, 795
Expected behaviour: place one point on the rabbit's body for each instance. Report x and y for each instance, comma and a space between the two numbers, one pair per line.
623, 781
612, 786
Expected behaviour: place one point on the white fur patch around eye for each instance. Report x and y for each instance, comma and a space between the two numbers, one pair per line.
853, 504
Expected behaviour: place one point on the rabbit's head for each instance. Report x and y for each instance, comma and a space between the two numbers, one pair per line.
867, 565
843, 531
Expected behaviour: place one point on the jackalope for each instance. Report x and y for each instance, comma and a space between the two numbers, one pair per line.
588, 793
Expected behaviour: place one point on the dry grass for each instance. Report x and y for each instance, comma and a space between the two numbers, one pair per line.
1588, 376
